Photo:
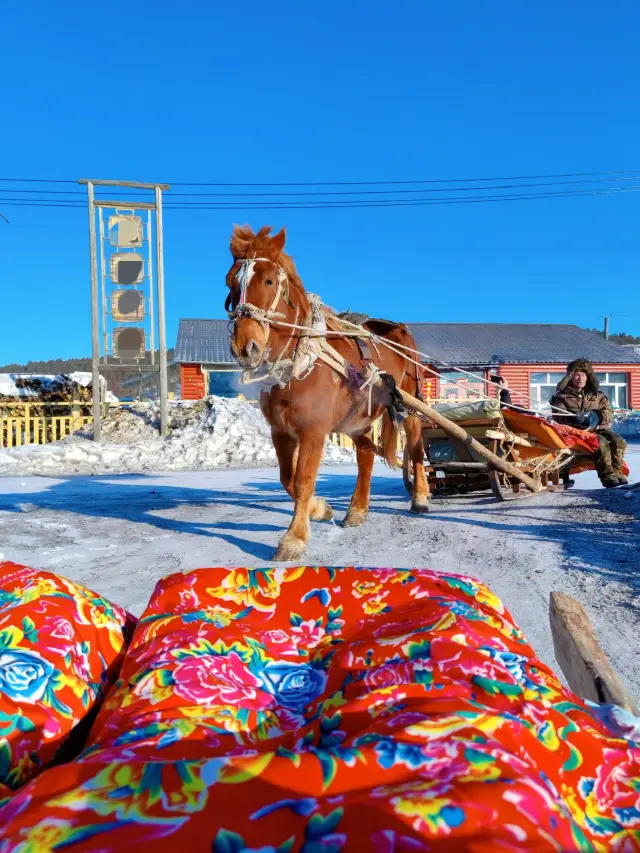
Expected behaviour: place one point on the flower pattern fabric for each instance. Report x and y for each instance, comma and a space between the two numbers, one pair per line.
319, 709
61, 645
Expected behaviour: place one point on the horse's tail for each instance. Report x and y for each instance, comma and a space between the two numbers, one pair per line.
389, 440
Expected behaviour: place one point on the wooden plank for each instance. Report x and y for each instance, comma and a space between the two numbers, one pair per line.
580, 656
125, 205
133, 184
460, 466
477, 431
484, 422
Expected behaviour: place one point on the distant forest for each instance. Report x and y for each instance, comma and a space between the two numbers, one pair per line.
67, 365
618, 337
115, 381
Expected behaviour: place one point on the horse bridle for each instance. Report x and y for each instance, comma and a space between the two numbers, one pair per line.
247, 310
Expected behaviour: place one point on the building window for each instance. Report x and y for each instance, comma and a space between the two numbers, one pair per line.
616, 387
542, 387
461, 386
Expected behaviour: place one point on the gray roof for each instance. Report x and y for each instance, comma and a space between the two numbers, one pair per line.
203, 342
207, 342
515, 343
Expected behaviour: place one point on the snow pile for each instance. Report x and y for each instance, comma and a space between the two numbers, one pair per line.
627, 424
213, 433
141, 421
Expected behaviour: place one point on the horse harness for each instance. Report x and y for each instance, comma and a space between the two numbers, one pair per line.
310, 347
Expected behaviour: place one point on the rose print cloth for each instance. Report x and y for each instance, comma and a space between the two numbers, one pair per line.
318, 709
60, 646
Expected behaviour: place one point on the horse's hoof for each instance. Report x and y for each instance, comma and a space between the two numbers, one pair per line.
289, 549
354, 518
420, 507
321, 511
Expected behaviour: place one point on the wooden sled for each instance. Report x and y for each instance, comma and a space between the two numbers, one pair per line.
512, 455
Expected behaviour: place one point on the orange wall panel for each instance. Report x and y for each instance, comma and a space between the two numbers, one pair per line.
192, 382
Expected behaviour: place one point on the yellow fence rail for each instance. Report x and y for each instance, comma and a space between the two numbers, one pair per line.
22, 424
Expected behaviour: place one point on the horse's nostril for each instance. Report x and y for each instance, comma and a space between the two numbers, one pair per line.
252, 348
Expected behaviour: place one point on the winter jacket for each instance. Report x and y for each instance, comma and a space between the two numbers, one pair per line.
579, 402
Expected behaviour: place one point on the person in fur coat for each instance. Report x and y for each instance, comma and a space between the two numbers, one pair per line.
579, 394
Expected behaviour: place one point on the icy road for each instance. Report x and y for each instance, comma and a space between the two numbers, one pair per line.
120, 534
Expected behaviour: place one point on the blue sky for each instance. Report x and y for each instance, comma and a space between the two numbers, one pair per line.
350, 91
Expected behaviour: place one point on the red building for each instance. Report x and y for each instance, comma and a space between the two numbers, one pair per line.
532, 357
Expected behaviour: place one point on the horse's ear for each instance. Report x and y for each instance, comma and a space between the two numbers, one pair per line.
278, 240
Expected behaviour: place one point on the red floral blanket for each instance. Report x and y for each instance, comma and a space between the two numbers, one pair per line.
319, 709
61, 645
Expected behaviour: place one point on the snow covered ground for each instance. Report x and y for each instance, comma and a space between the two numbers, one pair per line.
120, 534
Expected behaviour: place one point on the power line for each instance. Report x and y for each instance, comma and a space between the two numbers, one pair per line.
333, 205
342, 192
391, 183
351, 183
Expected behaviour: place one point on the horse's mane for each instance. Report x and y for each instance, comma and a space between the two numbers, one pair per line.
246, 244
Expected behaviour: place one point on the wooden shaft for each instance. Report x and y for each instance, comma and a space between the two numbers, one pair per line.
452, 429
580, 655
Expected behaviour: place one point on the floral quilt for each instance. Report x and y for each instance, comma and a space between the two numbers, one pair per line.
320, 709
60, 646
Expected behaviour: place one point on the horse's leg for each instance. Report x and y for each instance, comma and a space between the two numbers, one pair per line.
415, 447
287, 453
359, 506
293, 542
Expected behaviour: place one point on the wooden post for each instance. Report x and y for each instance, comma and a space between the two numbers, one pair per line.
580, 656
95, 317
457, 432
162, 343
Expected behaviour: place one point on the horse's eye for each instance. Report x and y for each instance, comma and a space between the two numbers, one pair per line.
269, 282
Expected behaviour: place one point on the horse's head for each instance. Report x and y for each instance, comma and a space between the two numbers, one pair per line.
259, 289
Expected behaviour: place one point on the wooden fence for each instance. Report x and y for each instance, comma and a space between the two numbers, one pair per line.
23, 423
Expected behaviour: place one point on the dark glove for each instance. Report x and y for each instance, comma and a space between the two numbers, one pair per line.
582, 419
594, 419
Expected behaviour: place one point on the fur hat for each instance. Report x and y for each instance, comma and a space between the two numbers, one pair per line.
581, 364
585, 366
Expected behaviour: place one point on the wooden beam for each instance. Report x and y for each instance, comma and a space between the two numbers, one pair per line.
460, 466
136, 185
580, 656
127, 205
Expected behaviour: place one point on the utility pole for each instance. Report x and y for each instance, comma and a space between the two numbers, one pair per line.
606, 328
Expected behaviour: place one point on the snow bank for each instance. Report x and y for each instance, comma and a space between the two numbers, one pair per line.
627, 424
212, 433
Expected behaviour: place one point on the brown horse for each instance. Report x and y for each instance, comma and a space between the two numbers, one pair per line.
305, 399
